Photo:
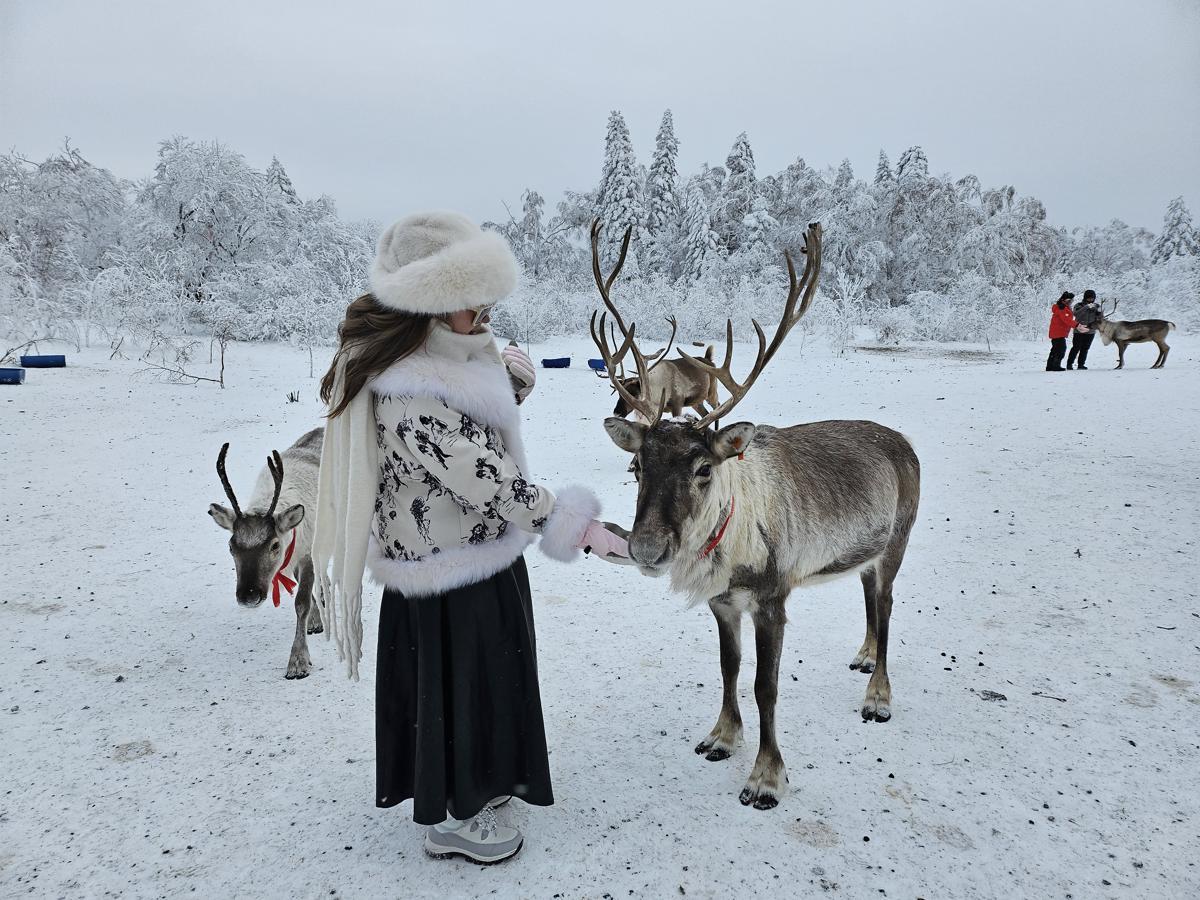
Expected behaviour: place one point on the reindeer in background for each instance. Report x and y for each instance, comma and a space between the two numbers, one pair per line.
678, 380
739, 516
1142, 331
270, 547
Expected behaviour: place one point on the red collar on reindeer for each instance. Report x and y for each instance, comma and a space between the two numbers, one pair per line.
712, 545
280, 579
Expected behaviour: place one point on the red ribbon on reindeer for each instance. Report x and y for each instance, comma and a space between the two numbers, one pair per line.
281, 580
712, 545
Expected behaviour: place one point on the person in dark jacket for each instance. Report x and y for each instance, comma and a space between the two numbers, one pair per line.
1087, 317
1061, 322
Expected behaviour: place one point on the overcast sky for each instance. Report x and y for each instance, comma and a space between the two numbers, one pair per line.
1093, 106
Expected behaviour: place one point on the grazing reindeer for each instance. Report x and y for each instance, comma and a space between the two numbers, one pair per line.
683, 384
742, 515
269, 546
1139, 332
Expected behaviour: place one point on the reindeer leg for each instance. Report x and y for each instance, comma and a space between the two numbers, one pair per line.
768, 778
727, 733
1163, 350
877, 705
865, 660
1120, 354
299, 662
314, 625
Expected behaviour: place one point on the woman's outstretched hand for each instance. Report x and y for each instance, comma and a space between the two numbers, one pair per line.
520, 371
606, 544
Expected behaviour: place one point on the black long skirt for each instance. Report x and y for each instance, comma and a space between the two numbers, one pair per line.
458, 716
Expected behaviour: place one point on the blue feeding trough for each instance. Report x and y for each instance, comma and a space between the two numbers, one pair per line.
53, 361
12, 376
561, 362
596, 365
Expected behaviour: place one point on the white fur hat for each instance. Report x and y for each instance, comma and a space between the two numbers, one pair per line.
440, 262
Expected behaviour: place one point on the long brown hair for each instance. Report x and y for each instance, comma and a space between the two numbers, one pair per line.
370, 338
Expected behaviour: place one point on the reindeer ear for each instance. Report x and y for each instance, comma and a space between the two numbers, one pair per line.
732, 440
289, 518
626, 435
222, 516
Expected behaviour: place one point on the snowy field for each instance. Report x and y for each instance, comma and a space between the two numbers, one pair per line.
150, 746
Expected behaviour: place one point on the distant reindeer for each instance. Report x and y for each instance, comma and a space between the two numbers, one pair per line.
683, 384
270, 547
742, 515
1139, 332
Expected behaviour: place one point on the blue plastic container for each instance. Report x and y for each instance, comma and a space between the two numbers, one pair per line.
53, 361
562, 362
12, 376
596, 365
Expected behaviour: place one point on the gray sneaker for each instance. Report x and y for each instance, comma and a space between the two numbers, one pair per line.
481, 839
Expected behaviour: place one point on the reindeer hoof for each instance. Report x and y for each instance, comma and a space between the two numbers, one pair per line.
292, 676
316, 629
758, 801
716, 754
867, 666
876, 712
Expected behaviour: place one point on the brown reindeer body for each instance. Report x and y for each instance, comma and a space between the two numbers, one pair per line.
685, 386
1140, 332
742, 515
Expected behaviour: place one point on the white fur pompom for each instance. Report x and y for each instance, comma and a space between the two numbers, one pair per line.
575, 507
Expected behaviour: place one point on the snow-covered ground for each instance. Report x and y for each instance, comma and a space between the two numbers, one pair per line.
150, 746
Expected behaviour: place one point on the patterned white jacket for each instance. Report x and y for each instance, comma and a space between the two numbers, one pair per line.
454, 503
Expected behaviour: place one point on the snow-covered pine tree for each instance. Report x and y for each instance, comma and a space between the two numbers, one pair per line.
737, 193
702, 243
913, 164
845, 176
621, 203
1178, 237
278, 178
883, 171
662, 201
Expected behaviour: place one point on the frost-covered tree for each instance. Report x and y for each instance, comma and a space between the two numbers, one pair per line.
914, 164
844, 180
883, 171
1178, 237
278, 179
737, 193
621, 204
1115, 247
662, 201
702, 244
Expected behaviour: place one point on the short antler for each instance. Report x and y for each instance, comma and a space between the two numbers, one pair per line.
802, 290
614, 360
275, 464
661, 355
225, 479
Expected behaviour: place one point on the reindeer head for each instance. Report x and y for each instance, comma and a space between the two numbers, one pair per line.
679, 464
259, 539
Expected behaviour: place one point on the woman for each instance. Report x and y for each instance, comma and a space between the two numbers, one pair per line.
1061, 323
424, 480
1087, 317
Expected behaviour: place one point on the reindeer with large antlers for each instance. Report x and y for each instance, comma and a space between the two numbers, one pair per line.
270, 547
741, 515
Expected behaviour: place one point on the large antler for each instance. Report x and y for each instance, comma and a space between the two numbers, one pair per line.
803, 290
225, 479
1104, 314
658, 357
615, 359
275, 464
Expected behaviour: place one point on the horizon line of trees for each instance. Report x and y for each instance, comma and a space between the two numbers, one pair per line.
208, 245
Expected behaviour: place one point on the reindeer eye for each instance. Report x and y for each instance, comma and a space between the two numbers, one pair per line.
274, 546
704, 471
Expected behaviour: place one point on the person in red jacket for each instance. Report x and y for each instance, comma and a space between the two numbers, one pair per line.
1062, 321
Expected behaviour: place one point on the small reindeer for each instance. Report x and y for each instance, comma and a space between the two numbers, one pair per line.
741, 515
682, 383
1140, 332
270, 547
